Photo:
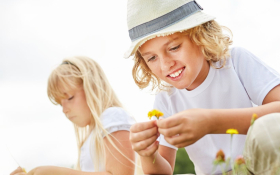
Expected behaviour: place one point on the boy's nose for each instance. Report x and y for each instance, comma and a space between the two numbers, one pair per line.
167, 63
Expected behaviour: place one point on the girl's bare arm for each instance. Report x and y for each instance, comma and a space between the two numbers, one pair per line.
116, 164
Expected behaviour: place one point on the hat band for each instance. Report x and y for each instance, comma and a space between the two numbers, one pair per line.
164, 21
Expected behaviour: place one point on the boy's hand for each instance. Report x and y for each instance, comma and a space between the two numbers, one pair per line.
186, 127
18, 171
143, 138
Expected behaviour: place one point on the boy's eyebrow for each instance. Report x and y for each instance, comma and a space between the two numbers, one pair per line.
170, 41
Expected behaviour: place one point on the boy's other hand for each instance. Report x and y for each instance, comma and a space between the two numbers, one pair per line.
186, 127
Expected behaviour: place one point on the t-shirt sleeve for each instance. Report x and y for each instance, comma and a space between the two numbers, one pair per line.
257, 78
116, 119
163, 104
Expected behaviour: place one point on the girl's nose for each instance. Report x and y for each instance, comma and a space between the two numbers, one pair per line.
64, 107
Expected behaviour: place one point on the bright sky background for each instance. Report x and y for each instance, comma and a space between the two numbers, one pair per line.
36, 35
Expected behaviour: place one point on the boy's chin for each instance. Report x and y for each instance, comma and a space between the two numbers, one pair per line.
180, 86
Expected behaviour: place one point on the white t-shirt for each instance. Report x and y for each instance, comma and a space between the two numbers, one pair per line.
113, 119
244, 80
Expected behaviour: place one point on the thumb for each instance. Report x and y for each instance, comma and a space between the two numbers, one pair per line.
159, 122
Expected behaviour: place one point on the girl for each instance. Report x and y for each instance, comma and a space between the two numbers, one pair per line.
209, 88
102, 126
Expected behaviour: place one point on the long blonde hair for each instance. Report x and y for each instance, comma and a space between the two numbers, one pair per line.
209, 36
76, 71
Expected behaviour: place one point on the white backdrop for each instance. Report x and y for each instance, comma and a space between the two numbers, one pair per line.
36, 35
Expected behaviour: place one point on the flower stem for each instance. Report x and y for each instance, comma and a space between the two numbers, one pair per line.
155, 158
231, 160
223, 171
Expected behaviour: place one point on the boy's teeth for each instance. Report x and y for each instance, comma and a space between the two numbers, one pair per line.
176, 73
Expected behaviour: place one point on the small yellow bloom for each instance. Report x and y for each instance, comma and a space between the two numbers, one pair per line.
155, 113
23, 169
254, 117
150, 115
232, 131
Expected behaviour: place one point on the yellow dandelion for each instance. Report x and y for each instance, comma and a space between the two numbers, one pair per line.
254, 117
23, 169
155, 113
159, 114
232, 131
150, 115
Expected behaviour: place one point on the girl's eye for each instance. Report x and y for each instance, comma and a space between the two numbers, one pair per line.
71, 98
175, 48
152, 58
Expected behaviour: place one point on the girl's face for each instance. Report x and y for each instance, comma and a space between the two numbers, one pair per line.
176, 60
75, 107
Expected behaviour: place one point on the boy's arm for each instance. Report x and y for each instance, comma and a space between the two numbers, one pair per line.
186, 127
164, 161
240, 118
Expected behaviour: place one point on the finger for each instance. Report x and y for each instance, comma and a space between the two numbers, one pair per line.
150, 151
179, 139
18, 170
168, 122
145, 144
138, 127
169, 132
21, 173
143, 135
184, 144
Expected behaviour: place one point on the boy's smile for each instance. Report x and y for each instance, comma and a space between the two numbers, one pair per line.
176, 60
176, 73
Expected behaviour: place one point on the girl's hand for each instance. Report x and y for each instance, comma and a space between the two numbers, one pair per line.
143, 138
18, 171
186, 127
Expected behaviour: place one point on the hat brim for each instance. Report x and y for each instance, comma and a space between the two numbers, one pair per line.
185, 24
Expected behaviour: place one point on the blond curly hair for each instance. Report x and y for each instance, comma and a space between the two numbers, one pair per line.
210, 38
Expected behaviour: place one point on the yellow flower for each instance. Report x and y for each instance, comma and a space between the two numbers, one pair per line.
155, 113
232, 131
150, 114
254, 117
23, 169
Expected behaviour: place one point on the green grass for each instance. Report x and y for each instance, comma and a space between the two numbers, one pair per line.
183, 164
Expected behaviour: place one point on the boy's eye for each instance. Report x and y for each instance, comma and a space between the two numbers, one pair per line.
174, 48
151, 59
71, 98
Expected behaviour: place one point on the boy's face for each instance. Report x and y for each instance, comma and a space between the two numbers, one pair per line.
75, 107
176, 60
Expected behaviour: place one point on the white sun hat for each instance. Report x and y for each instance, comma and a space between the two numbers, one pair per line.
147, 19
